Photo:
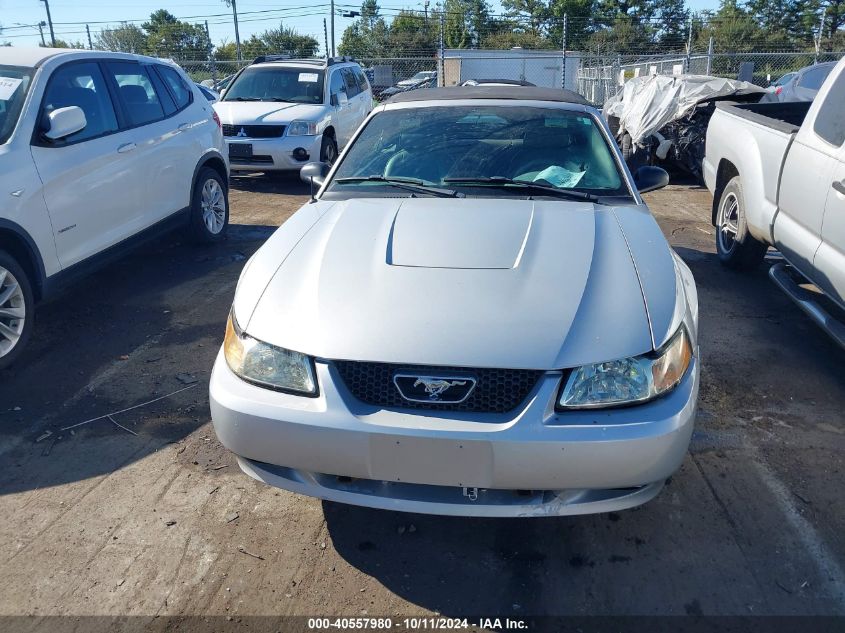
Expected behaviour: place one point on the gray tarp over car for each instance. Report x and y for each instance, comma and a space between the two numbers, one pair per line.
647, 104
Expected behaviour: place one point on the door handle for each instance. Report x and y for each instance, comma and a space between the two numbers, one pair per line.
184, 126
839, 186
126, 147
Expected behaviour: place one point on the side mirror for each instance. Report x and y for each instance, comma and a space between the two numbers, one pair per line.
334, 100
650, 178
65, 121
314, 172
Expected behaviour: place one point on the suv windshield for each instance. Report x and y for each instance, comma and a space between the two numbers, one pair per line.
476, 149
14, 84
277, 83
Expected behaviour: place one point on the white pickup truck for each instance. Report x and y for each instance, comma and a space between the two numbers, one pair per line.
777, 174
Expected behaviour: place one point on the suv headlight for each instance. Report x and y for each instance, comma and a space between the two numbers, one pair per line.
267, 365
302, 128
629, 380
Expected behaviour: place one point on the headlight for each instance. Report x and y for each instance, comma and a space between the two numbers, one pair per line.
266, 365
302, 128
630, 380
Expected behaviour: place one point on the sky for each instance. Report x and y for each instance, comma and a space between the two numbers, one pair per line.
19, 18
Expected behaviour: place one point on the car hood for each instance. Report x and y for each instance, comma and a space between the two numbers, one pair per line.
260, 112
468, 282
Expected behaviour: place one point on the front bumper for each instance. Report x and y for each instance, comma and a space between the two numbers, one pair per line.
532, 461
274, 154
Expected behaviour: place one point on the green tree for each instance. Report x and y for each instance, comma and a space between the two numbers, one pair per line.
63, 44
732, 28
367, 36
170, 37
288, 40
126, 38
413, 35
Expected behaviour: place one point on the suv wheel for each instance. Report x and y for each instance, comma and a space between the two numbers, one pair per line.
328, 150
209, 207
16, 309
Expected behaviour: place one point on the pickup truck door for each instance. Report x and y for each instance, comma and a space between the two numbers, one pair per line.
829, 262
805, 181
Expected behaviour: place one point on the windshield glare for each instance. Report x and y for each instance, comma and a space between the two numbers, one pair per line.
549, 146
296, 85
14, 84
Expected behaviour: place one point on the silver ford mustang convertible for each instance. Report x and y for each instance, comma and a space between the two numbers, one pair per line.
475, 315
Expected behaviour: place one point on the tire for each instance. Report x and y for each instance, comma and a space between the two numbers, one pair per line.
328, 149
209, 208
735, 246
17, 309
627, 147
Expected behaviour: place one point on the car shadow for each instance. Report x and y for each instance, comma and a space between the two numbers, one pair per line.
284, 183
145, 326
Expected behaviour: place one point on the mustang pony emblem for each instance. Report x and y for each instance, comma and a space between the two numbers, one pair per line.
436, 386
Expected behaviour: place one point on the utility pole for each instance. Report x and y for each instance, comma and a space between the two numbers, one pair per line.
41, 26
332, 19
818, 41
50, 22
689, 48
88, 31
326, 37
210, 54
563, 49
234, 4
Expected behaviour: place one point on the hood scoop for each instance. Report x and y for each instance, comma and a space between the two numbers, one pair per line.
463, 234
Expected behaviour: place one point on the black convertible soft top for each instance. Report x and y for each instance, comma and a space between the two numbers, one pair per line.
521, 93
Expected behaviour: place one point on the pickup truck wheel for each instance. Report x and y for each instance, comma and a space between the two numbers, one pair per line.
328, 150
736, 247
209, 207
16, 309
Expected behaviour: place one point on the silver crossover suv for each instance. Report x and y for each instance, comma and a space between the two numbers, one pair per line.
476, 315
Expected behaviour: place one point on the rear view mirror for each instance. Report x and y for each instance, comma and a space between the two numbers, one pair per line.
335, 100
65, 121
650, 178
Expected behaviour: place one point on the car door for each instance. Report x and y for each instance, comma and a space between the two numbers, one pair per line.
147, 110
356, 99
339, 102
830, 257
808, 83
90, 180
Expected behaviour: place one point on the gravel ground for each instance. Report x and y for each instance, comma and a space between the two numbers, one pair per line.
153, 518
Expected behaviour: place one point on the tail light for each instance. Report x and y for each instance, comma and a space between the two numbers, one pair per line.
778, 90
217, 120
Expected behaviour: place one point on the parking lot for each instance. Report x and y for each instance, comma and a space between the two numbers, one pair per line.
144, 513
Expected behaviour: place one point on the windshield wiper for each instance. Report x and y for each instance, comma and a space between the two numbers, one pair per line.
409, 184
244, 99
525, 184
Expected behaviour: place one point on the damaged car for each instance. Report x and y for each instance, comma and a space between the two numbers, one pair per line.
475, 315
662, 119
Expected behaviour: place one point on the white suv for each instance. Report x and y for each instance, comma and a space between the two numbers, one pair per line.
97, 150
279, 113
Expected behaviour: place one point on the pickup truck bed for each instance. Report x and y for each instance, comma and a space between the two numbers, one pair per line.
783, 117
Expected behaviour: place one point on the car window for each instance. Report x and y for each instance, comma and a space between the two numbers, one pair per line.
350, 82
277, 83
830, 124
81, 85
362, 80
814, 78
14, 84
337, 86
140, 102
182, 94
551, 146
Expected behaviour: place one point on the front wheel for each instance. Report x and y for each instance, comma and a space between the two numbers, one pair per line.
17, 309
328, 150
209, 207
735, 246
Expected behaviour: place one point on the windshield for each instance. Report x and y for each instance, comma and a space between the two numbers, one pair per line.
274, 83
14, 84
460, 147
